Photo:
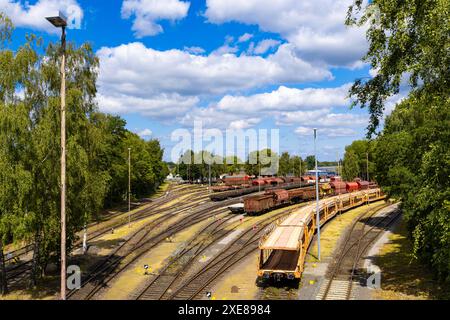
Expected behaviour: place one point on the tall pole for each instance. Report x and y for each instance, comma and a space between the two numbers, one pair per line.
63, 164
317, 195
209, 173
367, 157
129, 187
337, 163
259, 183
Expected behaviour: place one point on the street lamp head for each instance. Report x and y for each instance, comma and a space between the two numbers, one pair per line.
58, 21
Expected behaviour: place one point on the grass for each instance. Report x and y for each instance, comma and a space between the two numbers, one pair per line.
131, 279
242, 278
403, 277
48, 292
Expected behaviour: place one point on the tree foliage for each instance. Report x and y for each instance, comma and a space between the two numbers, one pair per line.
311, 162
355, 160
408, 39
412, 164
97, 149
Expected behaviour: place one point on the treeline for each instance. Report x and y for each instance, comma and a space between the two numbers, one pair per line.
408, 46
413, 164
358, 161
97, 149
196, 166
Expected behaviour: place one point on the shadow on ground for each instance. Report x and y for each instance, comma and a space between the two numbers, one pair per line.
278, 290
401, 273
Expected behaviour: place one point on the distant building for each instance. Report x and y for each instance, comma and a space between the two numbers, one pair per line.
171, 177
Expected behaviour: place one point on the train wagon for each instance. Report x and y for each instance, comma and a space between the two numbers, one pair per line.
258, 204
221, 188
351, 186
326, 189
258, 182
339, 187
283, 248
274, 181
236, 180
295, 195
236, 208
363, 185
292, 179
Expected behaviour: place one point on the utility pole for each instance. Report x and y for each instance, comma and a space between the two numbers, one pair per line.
129, 187
63, 164
337, 163
259, 184
367, 158
317, 196
85, 238
300, 174
60, 21
209, 172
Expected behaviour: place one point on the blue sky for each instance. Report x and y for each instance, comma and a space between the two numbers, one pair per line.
255, 64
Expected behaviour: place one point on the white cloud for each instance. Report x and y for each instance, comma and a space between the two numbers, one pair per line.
135, 70
322, 118
301, 117
194, 50
161, 106
287, 107
148, 12
393, 101
244, 123
316, 28
145, 133
24, 14
285, 99
245, 37
225, 49
265, 45
211, 117
329, 132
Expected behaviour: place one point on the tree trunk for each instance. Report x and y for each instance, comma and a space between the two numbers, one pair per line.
35, 270
3, 280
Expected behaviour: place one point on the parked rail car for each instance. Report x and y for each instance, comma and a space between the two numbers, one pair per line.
236, 208
220, 196
363, 185
221, 188
283, 248
351, 186
236, 180
338, 187
292, 179
259, 204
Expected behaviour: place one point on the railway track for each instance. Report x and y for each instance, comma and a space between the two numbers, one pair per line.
194, 286
160, 285
20, 252
137, 245
25, 266
345, 272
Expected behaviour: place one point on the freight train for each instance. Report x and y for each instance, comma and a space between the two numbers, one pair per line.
271, 199
284, 246
220, 196
241, 182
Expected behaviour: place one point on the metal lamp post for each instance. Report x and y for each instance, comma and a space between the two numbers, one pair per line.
60, 21
317, 196
129, 187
